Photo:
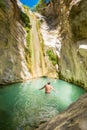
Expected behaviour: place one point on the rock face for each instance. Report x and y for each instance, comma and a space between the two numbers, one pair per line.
70, 18
74, 118
38, 67
22, 53
67, 18
12, 44
49, 46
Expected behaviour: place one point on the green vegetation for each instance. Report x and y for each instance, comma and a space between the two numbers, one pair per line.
28, 36
28, 58
40, 5
28, 51
28, 42
2, 5
52, 56
25, 19
40, 36
38, 25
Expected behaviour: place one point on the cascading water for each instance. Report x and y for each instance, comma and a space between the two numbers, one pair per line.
37, 59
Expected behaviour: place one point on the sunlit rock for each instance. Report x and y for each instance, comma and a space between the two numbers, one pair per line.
83, 50
70, 18
13, 66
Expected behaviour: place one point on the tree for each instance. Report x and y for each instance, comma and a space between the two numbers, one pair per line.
40, 5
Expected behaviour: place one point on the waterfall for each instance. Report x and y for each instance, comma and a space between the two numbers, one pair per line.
37, 58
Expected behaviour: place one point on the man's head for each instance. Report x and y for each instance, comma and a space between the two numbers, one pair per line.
48, 83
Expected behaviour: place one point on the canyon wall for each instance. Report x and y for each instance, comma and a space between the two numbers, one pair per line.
66, 25
13, 66
22, 53
70, 19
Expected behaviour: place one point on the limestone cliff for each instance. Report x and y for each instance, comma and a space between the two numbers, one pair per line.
49, 40
12, 44
22, 47
70, 19
64, 23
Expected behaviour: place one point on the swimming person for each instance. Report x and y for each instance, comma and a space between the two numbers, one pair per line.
48, 88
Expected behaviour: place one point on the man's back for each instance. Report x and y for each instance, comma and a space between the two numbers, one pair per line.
47, 88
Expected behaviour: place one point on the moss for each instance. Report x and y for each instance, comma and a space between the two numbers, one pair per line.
28, 53
52, 56
2, 5
25, 19
28, 37
26, 7
28, 58
40, 36
38, 24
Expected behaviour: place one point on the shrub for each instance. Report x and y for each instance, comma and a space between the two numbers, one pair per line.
40, 5
25, 19
52, 56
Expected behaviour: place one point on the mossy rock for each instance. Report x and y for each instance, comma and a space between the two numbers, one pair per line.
52, 56
25, 19
2, 5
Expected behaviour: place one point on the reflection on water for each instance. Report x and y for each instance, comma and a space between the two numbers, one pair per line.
24, 107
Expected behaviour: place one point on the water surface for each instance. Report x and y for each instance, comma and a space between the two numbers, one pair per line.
23, 106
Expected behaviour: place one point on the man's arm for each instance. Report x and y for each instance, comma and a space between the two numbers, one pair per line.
42, 87
53, 89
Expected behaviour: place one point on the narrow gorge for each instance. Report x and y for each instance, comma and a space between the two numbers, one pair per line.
49, 43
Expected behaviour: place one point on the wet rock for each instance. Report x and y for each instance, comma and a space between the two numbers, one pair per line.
74, 118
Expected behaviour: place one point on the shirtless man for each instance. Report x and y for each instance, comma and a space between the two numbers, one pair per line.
48, 88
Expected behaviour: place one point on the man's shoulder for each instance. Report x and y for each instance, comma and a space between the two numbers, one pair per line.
45, 85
